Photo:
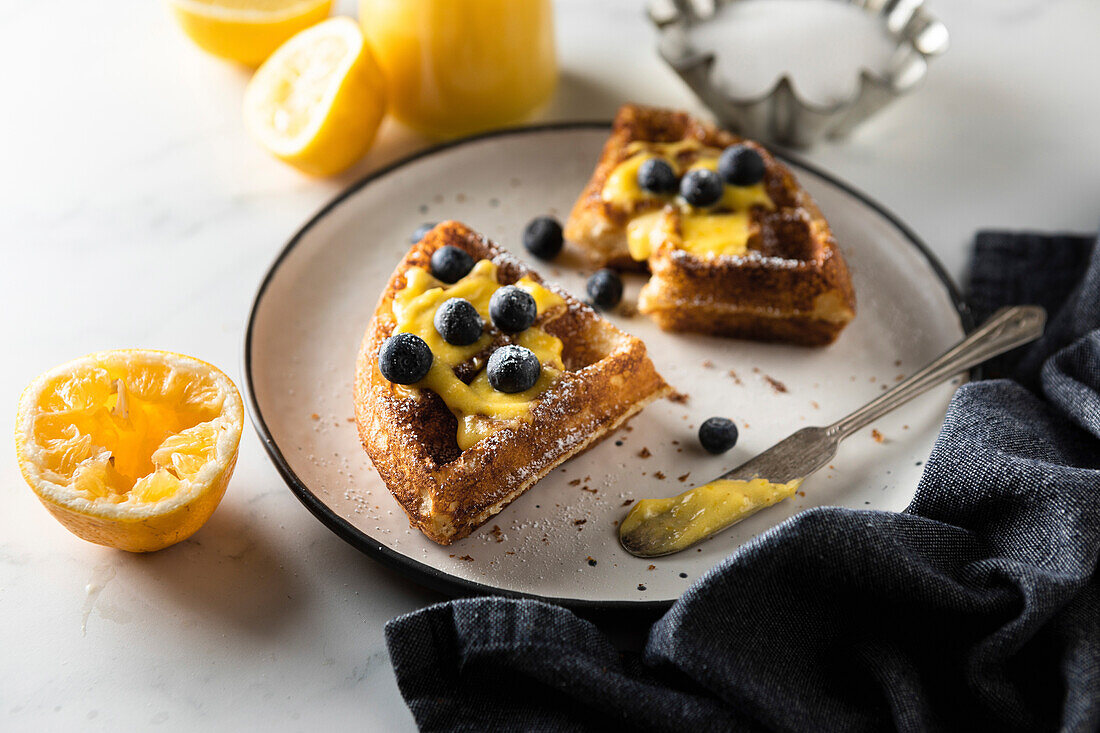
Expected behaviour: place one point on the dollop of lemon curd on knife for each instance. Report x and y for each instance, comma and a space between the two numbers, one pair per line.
680, 521
480, 409
722, 229
130, 448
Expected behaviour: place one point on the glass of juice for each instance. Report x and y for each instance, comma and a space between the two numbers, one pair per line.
460, 66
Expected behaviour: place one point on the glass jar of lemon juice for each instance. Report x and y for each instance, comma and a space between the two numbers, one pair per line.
459, 66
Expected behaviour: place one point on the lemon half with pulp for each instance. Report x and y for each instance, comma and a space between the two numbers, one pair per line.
318, 101
246, 31
130, 448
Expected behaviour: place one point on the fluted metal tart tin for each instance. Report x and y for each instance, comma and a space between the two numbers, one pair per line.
781, 114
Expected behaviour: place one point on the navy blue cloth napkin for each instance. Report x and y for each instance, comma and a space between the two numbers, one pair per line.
976, 608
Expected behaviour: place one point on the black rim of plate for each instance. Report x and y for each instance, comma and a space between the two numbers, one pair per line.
425, 574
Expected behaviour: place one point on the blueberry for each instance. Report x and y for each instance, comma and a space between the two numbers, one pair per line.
512, 309
717, 435
605, 288
740, 165
542, 237
513, 369
450, 264
701, 187
656, 176
458, 322
404, 358
421, 232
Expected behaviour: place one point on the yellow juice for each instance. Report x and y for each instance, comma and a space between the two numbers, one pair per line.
459, 66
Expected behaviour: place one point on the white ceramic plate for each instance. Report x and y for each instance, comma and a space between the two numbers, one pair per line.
558, 541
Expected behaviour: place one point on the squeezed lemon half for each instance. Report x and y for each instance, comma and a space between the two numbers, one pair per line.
130, 448
318, 101
246, 31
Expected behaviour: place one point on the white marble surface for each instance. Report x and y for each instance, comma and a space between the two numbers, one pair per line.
138, 214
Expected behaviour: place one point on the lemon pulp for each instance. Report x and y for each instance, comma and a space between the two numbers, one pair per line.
317, 102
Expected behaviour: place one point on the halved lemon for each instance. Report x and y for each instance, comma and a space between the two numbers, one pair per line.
130, 448
246, 31
318, 101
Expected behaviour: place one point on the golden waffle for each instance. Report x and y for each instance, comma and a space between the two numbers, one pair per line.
790, 284
411, 434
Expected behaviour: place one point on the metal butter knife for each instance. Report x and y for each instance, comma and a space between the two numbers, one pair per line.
807, 450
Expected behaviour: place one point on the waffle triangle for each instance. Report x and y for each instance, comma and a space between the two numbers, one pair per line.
790, 284
412, 436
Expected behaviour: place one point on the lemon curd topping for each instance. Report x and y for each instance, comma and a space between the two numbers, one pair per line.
646, 232
479, 409
701, 234
683, 520
723, 229
719, 234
